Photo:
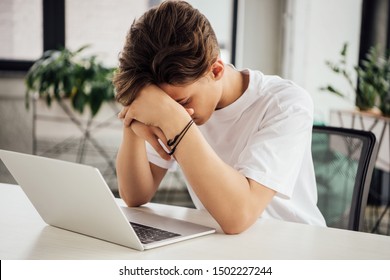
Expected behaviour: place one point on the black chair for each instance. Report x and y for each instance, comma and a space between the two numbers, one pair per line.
343, 160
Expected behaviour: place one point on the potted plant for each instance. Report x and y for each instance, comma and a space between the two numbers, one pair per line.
63, 74
385, 104
373, 79
75, 82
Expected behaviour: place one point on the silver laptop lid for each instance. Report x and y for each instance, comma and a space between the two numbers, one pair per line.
71, 196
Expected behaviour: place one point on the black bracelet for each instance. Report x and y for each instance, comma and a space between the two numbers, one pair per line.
176, 140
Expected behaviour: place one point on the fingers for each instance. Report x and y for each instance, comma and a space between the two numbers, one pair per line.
160, 135
125, 116
157, 146
190, 111
122, 113
158, 141
127, 120
154, 136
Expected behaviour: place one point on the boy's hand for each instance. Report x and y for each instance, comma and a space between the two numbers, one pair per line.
122, 116
152, 107
127, 120
151, 134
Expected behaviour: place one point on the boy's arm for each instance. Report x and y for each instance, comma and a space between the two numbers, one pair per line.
138, 179
233, 200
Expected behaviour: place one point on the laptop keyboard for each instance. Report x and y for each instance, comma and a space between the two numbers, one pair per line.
148, 234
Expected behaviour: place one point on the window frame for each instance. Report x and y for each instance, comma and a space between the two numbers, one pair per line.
54, 34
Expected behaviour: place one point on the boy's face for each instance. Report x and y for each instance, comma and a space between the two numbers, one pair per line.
201, 96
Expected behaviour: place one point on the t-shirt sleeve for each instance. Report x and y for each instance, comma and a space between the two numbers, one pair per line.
274, 154
155, 158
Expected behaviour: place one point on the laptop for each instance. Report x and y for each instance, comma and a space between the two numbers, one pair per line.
75, 197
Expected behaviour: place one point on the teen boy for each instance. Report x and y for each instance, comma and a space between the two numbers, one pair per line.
241, 138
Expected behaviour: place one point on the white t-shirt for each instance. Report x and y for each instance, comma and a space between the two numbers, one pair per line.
266, 136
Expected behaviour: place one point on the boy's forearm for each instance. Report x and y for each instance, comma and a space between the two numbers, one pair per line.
232, 199
135, 179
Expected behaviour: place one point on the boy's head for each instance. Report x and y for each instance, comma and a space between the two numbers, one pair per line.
172, 43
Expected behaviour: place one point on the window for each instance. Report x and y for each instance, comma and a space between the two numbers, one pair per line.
102, 27
29, 27
21, 29
219, 13
105, 26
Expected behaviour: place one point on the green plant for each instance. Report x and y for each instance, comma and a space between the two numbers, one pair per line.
374, 76
61, 74
385, 104
340, 67
373, 79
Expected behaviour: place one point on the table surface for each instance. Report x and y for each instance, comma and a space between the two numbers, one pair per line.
24, 235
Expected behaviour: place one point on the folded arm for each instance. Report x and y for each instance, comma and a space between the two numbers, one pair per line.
232, 199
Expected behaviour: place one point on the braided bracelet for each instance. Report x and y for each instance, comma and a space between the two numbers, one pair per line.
176, 140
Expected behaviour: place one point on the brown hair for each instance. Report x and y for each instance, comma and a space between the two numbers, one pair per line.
172, 43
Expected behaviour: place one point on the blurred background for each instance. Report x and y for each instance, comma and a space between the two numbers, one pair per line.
295, 39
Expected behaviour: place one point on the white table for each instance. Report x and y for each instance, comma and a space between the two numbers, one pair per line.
23, 235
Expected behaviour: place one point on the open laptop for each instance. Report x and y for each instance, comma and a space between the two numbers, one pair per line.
75, 197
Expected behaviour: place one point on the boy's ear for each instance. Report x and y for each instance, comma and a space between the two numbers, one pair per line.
217, 69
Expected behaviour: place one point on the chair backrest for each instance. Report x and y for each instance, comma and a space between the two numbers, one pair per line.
343, 160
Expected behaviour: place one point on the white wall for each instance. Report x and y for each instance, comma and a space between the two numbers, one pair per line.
259, 35
219, 13
308, 33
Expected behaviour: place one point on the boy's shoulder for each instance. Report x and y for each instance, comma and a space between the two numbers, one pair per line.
273, 85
